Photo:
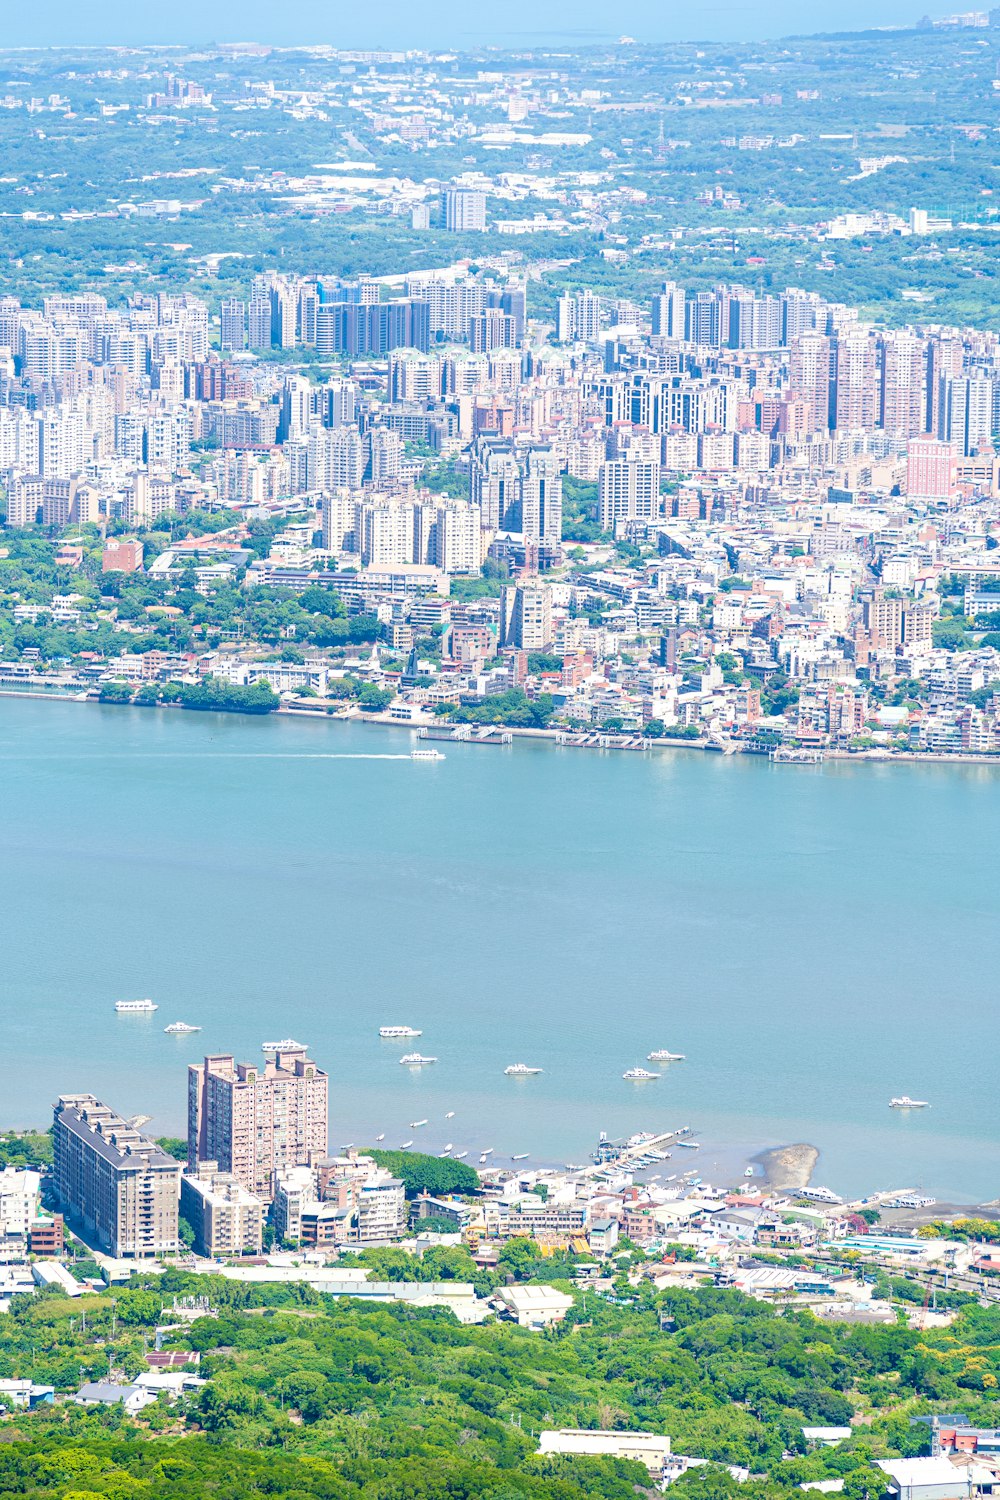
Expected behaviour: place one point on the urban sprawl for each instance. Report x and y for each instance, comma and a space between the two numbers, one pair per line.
749, 520
486, 494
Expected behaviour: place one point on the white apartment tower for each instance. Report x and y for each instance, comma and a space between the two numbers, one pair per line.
629, 491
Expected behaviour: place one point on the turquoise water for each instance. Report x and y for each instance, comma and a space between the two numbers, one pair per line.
815, 939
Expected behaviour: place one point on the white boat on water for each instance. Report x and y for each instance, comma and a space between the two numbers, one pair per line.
405, 1145
662, 1055
448, 1149
905, 1102
415, 1060
415, 1124
180, 1028
521, 1156
391, 1033
639, 1075
690, 1145
287, 1044
426, 755
135, 1007
450, 1115
818, 1195
487, 1150
380, 1137
521, 1070
461, 1155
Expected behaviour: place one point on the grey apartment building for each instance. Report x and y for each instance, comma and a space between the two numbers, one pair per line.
113, 1184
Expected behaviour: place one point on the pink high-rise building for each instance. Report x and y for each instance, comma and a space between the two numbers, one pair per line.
930, 469
256, 1120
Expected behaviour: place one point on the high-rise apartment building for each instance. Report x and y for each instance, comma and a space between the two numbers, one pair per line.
629, 490
579, 318
541, 497
233, 324
668, 312
495, 485
455, 543
492, 329
114, 1184
903, 394
464, 210
856, 398
965, 412
526, 617
256, 1120
809, 377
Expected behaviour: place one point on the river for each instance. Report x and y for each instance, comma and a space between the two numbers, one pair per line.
814, 939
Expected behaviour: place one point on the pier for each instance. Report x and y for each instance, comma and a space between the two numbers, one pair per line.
595, 741
469, 734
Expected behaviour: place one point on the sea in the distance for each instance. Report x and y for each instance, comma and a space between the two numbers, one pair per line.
814, 939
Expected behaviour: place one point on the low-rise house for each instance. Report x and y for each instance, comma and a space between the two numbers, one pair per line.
51, 1273
925, 1479
131, 1398
603, 1236
172, 1383
24, 1395
649, 1448
534, 1306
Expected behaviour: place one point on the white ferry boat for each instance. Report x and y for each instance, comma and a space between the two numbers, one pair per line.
521, 1070
390, 1033
817, 1195
135, 1007
287, 1044
180, 1028
905, 1102
662, 1055
639, 1075
415, 1060
426, 755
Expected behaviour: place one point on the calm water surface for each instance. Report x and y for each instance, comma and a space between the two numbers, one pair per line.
815, 939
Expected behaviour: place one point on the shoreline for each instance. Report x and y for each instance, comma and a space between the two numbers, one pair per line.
852, 757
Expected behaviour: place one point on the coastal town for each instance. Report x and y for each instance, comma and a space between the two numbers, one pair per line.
262, 1204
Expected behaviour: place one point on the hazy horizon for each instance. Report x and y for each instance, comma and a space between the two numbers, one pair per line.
396, 24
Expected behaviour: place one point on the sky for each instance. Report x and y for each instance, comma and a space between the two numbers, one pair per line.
435, 23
